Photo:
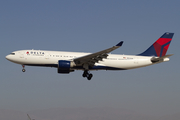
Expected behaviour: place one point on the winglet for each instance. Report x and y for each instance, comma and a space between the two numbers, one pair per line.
120, 43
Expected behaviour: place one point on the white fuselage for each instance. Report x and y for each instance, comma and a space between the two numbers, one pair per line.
67, 62
51, 58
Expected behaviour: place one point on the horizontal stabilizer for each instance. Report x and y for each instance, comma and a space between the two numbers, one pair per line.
157, 59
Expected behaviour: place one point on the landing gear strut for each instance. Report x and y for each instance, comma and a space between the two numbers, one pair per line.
87, 74
23, 70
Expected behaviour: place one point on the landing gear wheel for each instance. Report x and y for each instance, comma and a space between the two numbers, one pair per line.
85, 74
89, 76
23, 70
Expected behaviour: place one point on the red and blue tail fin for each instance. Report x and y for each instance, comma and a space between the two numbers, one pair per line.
160, 47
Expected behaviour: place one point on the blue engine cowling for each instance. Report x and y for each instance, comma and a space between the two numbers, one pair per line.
65, 66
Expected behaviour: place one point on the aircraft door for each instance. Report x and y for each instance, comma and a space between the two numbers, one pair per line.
136, 61
46, 56
21, 55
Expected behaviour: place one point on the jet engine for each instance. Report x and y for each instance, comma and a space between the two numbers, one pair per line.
65, 66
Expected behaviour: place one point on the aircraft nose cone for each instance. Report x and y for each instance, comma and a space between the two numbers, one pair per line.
11, 58
7, 57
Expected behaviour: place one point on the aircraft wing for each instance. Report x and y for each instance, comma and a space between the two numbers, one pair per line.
93, 58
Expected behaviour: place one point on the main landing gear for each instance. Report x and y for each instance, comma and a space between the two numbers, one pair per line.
87, 74
23, 70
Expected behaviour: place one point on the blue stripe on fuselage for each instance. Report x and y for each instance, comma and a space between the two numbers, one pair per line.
78, 67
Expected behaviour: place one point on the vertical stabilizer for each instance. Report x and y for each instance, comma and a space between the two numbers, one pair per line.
160, 47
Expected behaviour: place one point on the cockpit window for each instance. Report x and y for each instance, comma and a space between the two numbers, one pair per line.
12, 53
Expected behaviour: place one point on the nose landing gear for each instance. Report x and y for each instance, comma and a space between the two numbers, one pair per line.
23, 70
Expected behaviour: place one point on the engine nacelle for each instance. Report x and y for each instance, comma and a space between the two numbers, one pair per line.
65, 66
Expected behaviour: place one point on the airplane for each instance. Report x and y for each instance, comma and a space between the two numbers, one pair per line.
67, 62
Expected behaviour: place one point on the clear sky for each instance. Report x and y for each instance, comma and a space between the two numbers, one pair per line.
89, 26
